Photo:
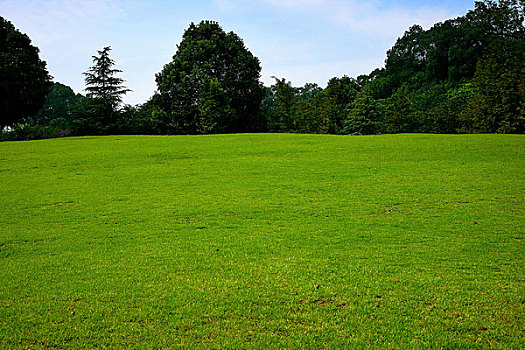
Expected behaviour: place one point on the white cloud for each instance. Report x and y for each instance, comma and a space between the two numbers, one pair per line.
367, 17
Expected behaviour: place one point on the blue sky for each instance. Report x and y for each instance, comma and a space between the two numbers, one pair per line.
300, 40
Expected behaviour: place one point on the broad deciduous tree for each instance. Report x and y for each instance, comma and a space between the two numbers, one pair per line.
212, 85
24, 79
58, 107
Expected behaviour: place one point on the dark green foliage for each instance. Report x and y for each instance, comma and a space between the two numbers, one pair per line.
365, 116
284, 113
522, 93
406, 59
496, 105
99, 114
151, 119
339, 94
378, 85
101, 82
309, 91
448, 51
27, 132
461, 75
309, 109
93, 117
212, 85
213, 107
444, 106
401, 116
464, 75
58, 107
440, 108
311, 112
503, 18
266, 109
24, 79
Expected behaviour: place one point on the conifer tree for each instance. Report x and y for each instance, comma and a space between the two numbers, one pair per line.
99, 113
101, 82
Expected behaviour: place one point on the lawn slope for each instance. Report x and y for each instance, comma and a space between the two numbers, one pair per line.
257, 241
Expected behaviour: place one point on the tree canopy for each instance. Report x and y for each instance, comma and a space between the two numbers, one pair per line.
58, 107
101, 82
99, 113
212, 84
24, 79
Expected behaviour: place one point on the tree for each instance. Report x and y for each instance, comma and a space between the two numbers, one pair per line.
58, 107
339, 94
285, 107
503, 18
449, 51
522, 91
99, 113
212, 84
151, 119
101, 83
496, 105
408, 56
309, 115
365, 116
462, 75
24, 79
213, 107
265, 116
401, 115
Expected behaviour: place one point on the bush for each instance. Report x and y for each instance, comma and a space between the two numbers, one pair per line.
32, 132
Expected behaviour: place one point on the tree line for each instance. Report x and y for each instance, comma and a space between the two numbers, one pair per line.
464, 75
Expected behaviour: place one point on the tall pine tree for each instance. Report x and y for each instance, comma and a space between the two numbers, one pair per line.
101, 82
99, 113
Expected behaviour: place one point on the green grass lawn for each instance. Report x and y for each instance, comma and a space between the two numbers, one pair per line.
263, 241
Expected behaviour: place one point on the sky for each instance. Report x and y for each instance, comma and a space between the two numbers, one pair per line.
304, 41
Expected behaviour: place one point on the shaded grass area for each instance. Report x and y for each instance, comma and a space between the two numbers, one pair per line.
256, 241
